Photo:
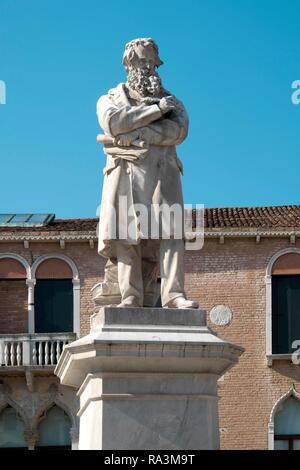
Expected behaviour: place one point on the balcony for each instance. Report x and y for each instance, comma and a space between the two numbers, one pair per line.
38, 352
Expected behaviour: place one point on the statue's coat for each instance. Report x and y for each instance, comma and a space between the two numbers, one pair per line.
144, 176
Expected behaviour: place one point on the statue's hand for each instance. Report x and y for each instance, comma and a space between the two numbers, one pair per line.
125, 140
167, 104
148, 100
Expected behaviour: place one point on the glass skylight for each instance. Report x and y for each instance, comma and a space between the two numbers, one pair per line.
19, 218
25, 220
5, 218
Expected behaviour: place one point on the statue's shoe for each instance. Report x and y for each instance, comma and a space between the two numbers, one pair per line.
182, 302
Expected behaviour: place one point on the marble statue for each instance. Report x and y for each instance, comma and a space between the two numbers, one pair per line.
142, 124
151, 372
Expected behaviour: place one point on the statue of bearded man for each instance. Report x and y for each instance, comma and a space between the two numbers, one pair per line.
143, 123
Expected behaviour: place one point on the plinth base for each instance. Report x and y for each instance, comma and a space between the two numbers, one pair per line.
147, 379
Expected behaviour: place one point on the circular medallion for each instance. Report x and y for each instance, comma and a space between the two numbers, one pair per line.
220, 315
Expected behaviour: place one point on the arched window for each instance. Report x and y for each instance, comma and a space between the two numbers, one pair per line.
53, 297
11, 429
54, 430
285, 303
287, 425
13, 296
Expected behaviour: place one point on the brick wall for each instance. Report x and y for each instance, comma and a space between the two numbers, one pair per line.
90, 266
232, 273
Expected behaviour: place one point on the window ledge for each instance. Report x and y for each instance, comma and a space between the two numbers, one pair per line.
278, 357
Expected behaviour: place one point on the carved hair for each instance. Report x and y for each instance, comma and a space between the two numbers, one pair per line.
130, 50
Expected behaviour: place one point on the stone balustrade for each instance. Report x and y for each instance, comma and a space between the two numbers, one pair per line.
40, 349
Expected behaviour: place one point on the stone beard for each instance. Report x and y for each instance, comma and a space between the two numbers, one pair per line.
147, 83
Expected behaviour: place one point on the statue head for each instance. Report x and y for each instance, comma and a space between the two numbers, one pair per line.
141, 51
141, 60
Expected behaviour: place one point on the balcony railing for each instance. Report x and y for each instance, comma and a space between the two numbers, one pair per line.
40, 349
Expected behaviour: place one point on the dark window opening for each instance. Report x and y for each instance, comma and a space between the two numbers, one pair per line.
285, 313
53, 306
287, 442
54, 430
11, 430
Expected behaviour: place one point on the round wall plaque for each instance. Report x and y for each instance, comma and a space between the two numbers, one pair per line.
220, 315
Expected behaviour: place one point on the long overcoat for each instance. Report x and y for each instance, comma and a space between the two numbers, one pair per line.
136, 178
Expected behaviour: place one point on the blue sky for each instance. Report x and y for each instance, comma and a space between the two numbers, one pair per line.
231, 62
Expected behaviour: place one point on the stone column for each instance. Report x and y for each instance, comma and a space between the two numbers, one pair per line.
31, 283
31, 438
76, 308
74, 438
147, 379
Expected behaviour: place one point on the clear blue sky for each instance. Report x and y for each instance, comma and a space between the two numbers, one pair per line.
231, 62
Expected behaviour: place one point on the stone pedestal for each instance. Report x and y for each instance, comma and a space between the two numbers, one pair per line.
147, 379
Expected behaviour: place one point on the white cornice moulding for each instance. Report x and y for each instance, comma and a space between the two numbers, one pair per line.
92, 236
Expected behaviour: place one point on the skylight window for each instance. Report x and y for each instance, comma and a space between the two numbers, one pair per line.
20, 218
25, 220
5, 218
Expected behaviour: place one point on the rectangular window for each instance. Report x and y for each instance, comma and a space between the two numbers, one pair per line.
286, 442
285, 313
53, 306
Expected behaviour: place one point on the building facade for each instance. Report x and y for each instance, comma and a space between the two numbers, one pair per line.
246, 276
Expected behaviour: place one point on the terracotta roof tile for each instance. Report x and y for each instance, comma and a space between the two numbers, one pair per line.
273, 217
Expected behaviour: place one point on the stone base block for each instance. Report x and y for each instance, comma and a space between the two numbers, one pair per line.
147, 379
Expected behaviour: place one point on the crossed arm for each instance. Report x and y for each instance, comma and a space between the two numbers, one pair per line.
144, 122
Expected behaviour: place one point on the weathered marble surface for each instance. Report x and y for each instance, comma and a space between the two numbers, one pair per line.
149, 411
147, 379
